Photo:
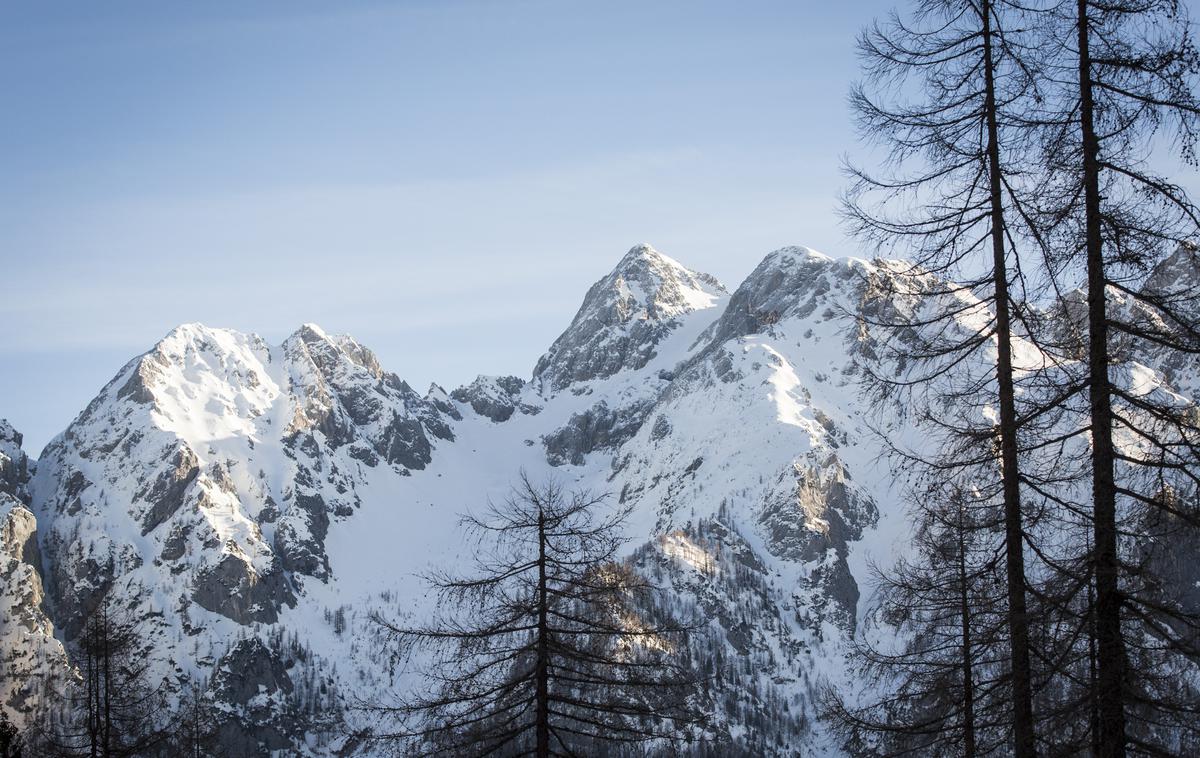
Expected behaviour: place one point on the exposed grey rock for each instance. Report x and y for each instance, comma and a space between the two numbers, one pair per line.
355, 401
404, 442
437, 399
302, 550
813, 524
275, 697
167, 492
252, 680
786, 282
233, 589
248, 669
1176, 277
14, 464
77, 578
789, 283
70, 493
137, 387
30, 656
175, 545
834, 595
495, 397
599, 427
661, 428
18, 552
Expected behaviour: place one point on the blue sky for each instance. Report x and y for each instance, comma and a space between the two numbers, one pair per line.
442, 180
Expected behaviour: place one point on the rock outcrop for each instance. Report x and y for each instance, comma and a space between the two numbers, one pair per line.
495, 397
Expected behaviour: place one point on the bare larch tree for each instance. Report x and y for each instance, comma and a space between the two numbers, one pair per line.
543, 651
117, 707
943, 85
945, 675
1122, 83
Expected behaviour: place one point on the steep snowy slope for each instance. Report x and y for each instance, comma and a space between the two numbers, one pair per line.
254, 503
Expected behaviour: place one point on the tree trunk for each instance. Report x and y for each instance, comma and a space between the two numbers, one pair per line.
965, 617
542, 672
1093, 709
106, 678
107, 691
1109, 645
1018, 620
93, 695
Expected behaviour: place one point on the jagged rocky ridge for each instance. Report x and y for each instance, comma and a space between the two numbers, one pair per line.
255, 503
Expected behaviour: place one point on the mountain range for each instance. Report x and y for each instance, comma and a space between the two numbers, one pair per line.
253, 504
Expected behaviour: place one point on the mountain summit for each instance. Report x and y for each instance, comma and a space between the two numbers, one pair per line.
625, 316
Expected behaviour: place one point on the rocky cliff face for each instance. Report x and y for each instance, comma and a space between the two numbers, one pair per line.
255, 503
33, 664
14, 464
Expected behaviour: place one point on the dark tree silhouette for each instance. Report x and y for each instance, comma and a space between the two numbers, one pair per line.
116, 707
11, 744
944, 88
944, 675
1123, 79
195, 731
543, 652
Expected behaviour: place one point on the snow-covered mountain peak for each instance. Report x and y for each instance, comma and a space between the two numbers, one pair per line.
791, 282
795, 254
191, 377
328, 350
313, 334
1177, 273
195, 338
625, 315
652, 285
185, 356
225, 459
642, 251
312, 331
